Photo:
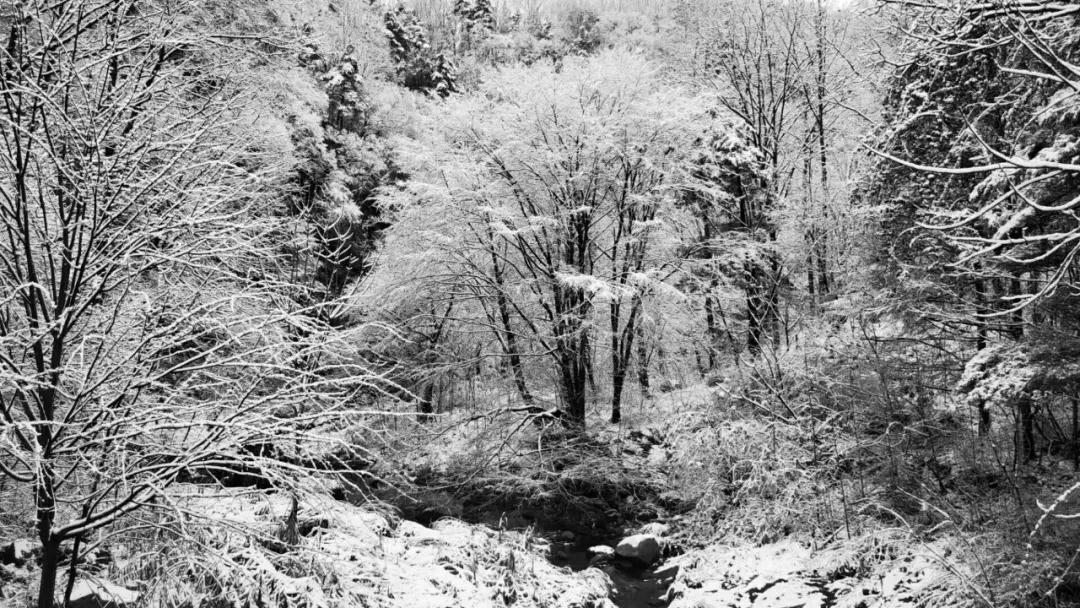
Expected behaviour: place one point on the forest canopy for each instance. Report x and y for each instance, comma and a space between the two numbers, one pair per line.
586, 303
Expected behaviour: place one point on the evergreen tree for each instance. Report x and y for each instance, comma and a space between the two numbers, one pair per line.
418, 66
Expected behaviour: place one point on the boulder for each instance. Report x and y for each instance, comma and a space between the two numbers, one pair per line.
16, 552
600, 554
101, 594
642, 548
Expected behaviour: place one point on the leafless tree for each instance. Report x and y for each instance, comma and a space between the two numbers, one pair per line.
144, 339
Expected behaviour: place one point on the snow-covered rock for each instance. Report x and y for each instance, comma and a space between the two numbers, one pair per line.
600, 550
643, 548
600, 555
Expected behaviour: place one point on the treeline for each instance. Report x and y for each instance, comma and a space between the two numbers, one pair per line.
663, 219
860, 231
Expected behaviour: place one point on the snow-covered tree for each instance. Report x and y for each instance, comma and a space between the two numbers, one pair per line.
564, 190
148, 333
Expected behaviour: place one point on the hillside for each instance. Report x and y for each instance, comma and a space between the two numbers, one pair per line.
581, 303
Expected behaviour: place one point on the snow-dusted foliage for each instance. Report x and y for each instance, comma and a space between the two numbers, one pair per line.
419, 67
1000, 374
981, 148
565, 197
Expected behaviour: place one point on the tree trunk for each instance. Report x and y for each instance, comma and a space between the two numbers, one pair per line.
587, 359
510, 342
424, 407
824, 286
45, 499
811, 232
73, 569
512, 352
642, 359
573, 387
1076, 433
618, 379
519, 375
50, 568
618, 361
772, 304
711, 331
756, 297
1025, 443
981, 308
572, 351
622, 348
1016, 329
753, 323
571, 312
821, 242
710, 316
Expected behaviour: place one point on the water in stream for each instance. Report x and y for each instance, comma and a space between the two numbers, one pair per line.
634, 586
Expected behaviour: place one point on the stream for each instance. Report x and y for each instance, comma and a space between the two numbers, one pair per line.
633, 586
573, 510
